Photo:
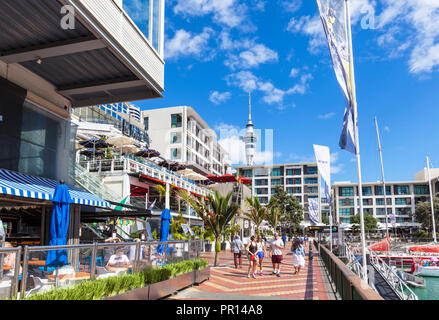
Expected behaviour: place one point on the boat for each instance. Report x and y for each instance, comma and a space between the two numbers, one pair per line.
426, 271
410, 279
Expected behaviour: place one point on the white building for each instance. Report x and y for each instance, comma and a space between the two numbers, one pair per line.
180, 134
401, 199
301, 180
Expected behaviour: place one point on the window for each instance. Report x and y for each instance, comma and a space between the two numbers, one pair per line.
261, 172
346, 191
346, 202
247, 173
275, 182
402, 201
146, 123
345, 220
381, 212
176, 121
263, 200
312, 190
175, 154
311, 181
401, 190
421, 190
311, 170
175, 137
299, 198
293, 172
367, 191
403, 211
379, 191
343, 212
261, 191
276, 172
261, 182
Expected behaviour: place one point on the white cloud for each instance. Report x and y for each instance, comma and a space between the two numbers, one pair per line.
291, 5
327, 116
246, 80
294, 72
185, 44
219, 98
336, 168
252, 58
225, 12
420, 21
387, 129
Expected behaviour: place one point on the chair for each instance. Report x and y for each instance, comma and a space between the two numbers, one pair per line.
39, 286
87, 261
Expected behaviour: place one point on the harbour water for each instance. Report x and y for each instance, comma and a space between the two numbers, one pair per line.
431, 290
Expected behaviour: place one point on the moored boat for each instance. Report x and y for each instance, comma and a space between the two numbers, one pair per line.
426, 271
410, 279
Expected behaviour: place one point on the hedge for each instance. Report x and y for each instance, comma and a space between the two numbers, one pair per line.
103, 288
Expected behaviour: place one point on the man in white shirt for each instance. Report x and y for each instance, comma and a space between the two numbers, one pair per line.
276, 254
119, 260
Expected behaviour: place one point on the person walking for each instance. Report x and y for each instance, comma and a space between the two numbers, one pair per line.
276, 257
236, 249
261, 253
306, 239
298, 255
252, 248
284, 239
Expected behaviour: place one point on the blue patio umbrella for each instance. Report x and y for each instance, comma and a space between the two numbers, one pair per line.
164, 228
59, 226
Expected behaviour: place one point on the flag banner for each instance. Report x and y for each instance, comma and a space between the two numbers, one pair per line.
313, 211
323, 158
333, 14
393, 219
152, 205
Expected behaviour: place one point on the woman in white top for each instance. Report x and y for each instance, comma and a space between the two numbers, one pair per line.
260, 253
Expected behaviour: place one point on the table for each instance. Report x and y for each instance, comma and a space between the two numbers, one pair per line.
7, 268
76, 276
40, 263
116, 269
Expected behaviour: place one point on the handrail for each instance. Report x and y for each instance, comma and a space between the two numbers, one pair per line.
399, 285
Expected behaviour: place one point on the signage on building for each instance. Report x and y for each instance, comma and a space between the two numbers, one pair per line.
245, 223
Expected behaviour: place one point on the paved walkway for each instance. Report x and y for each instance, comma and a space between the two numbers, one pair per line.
228, 283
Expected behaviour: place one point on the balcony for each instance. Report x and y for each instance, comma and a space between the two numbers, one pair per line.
102, 58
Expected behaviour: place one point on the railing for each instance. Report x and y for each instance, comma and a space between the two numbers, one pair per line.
86, 262
399, 285
348, 284
353, 262
132, 164
92, 184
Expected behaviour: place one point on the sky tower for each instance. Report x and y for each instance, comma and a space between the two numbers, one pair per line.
250, 138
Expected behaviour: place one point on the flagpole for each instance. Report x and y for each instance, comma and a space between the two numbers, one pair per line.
382, 173
357, 147
431, 201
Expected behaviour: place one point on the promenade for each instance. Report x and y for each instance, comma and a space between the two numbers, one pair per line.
228, 283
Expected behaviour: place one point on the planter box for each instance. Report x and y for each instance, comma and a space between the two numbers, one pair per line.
201, 275
165, 288
136, 294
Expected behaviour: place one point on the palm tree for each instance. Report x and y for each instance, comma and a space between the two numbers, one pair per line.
273, 216
216, 214
257, 212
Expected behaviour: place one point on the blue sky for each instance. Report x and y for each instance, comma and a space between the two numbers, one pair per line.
215, 50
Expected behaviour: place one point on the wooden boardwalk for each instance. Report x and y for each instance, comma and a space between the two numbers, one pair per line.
228, 283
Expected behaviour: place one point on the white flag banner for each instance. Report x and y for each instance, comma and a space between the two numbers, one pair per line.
393, 219
313, 211
323, 159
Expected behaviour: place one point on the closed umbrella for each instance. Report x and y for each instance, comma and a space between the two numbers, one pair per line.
59, 226
164, 228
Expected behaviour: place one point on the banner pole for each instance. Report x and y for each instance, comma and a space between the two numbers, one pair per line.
357, 144
431, 201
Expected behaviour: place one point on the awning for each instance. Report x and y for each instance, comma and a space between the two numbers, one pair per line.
23, 185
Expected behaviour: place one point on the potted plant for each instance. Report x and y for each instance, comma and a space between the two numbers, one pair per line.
209, 237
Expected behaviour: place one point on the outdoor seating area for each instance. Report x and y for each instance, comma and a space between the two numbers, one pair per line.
77, 263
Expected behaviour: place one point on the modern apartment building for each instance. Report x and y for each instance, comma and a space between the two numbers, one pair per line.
401, 199
180, 134
302, 180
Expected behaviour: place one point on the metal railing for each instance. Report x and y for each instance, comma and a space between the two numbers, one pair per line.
86, 262
353, 262
9, 272
348, 285
390, 276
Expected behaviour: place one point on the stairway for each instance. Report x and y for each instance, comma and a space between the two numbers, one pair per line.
92, 184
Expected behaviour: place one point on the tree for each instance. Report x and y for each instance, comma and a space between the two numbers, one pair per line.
257, 213
216, 214
273, 216
423, 213
175, 227
370, 223
290, 210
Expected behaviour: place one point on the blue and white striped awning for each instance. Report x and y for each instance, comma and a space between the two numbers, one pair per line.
23, 185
